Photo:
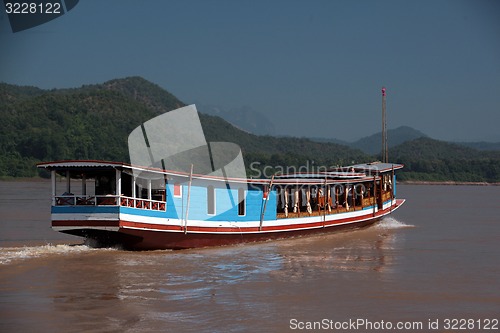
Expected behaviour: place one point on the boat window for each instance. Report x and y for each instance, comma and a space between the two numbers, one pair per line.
177, 190
158, 189
105, 184
210, 200
241, 202
126, 185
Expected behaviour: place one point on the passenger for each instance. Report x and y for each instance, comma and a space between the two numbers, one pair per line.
66, 199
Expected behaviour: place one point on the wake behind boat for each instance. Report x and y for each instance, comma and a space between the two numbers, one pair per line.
181, 192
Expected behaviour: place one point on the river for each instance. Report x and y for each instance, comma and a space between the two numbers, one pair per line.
433, 261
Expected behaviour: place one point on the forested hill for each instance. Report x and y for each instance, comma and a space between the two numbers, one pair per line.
426, 159
94, 121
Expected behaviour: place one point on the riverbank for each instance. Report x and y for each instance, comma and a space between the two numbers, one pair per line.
24, 179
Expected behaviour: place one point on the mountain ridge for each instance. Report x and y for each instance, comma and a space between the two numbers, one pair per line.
372, 144
244, 118
94, 121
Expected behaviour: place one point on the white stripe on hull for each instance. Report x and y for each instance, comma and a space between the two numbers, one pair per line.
248, 224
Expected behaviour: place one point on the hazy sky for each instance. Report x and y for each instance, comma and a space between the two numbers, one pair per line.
314, 67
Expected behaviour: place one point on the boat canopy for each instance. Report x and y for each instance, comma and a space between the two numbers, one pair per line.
359, 172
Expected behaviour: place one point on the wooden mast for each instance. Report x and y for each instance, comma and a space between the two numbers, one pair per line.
385, 153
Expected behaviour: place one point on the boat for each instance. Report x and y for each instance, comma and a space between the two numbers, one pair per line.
197, 194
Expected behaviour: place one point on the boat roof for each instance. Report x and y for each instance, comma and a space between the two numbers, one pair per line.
378, 167
357, 172
80, 164
95, 165
322, 175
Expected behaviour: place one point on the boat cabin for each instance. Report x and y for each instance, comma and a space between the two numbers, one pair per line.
96, 183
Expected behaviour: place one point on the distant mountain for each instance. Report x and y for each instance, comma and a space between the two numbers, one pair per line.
332, 140
244, 118
373, 144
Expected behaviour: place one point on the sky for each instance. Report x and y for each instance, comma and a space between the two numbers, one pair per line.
314, 68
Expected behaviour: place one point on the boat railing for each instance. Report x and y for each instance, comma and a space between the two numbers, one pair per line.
142, 203
109, 200
84, 200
